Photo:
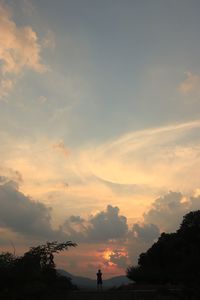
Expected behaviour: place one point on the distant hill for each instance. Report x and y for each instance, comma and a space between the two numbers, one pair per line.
84, 282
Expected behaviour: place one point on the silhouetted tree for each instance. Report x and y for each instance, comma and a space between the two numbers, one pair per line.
33, 272
174, 257
40, 259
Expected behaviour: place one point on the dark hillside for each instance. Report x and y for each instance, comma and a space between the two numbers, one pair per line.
84, 282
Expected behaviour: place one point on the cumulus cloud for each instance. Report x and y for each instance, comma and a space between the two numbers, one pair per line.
10, 175
119, 258
165, 214
108, 225
140, 237
19, 50
75, 228
76, 219
22, 215
167, 211
101, 227
111, 228
145, 232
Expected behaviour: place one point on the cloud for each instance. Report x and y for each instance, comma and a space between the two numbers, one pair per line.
49, 40
20, 47
6, 85
164, 215
190, 85
116, 252
76, 219
19, 50
167, 211
110, 228
22, 215
119, 258
146, 232
121, 189
101, 227
10, 175
60, 146
128, 172
140, 237
157, 158
108, 225
75, 228
32, 219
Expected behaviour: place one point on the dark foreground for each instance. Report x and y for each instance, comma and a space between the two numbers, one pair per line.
132, 295
162, 294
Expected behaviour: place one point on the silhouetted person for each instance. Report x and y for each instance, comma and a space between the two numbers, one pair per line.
99, 279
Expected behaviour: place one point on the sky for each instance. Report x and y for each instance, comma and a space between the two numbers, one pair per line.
99, 126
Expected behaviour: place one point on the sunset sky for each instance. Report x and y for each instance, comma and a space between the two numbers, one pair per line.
99, 126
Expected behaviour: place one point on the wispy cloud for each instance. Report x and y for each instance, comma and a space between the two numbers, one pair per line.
190, 85
49, 40
6, 85
130, 170
60, 146
19, 50
156, 157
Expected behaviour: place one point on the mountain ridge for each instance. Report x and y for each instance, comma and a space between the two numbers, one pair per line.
86, 282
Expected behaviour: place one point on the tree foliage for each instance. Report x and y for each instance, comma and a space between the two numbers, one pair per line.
34, 271
174, 258
43, 255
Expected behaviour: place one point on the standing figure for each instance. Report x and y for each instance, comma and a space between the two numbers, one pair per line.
99, 279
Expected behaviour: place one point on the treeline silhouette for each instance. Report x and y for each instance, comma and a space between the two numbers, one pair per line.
174, 258
34, 275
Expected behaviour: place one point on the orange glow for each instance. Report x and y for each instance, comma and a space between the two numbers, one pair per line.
107, 253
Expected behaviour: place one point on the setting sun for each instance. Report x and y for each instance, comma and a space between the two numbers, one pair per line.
107, 253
